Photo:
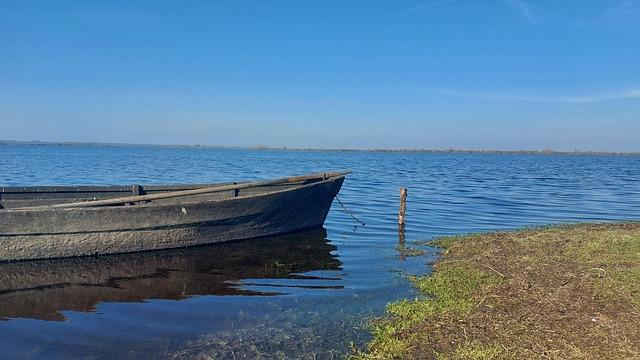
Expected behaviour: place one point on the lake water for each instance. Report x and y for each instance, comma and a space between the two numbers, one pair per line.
304, 295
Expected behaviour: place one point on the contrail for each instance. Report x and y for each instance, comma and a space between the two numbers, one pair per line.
427, 5
627, 94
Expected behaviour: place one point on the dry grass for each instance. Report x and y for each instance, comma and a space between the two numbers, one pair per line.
559, 292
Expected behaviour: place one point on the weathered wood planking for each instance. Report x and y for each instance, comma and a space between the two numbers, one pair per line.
175, 217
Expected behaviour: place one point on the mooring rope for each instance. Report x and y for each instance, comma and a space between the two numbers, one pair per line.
349, 212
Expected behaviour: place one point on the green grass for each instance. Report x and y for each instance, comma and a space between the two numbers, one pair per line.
614, 260
476, 351
448, 291
522, 294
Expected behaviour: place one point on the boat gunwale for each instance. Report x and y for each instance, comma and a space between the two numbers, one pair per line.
324, 178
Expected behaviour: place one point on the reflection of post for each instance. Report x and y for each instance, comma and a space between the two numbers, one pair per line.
401, 248
403, 209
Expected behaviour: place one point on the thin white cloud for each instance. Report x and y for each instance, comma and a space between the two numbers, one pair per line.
625, 11
524, 8
627, 94
427, 5
129, 14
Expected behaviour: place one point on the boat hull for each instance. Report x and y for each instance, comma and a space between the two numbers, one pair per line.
58, 233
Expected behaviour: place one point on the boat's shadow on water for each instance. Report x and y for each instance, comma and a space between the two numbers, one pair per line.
44, 289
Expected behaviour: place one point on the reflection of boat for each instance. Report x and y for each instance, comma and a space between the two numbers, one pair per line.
41, 289
54, 222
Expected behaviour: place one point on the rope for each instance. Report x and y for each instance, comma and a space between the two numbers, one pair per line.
349, 212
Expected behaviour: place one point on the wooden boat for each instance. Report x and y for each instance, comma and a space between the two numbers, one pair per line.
68, 221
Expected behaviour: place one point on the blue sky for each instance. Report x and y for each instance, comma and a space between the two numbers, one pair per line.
499, 74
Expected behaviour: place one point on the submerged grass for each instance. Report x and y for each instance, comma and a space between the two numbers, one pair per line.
568, 291
449, 291
409, 251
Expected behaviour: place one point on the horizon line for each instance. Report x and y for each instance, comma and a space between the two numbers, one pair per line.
543, 151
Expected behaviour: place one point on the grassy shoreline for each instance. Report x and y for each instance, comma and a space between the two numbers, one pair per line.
569, 291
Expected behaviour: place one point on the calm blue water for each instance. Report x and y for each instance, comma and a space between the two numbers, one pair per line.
301, 296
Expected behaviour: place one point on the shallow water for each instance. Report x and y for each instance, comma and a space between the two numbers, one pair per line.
299, 295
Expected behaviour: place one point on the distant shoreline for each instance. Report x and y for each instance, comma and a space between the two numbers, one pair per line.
268, 148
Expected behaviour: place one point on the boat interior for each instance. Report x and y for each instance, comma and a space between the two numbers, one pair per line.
24, 197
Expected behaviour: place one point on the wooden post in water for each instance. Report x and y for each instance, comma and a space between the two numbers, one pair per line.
403, 209
403, 206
